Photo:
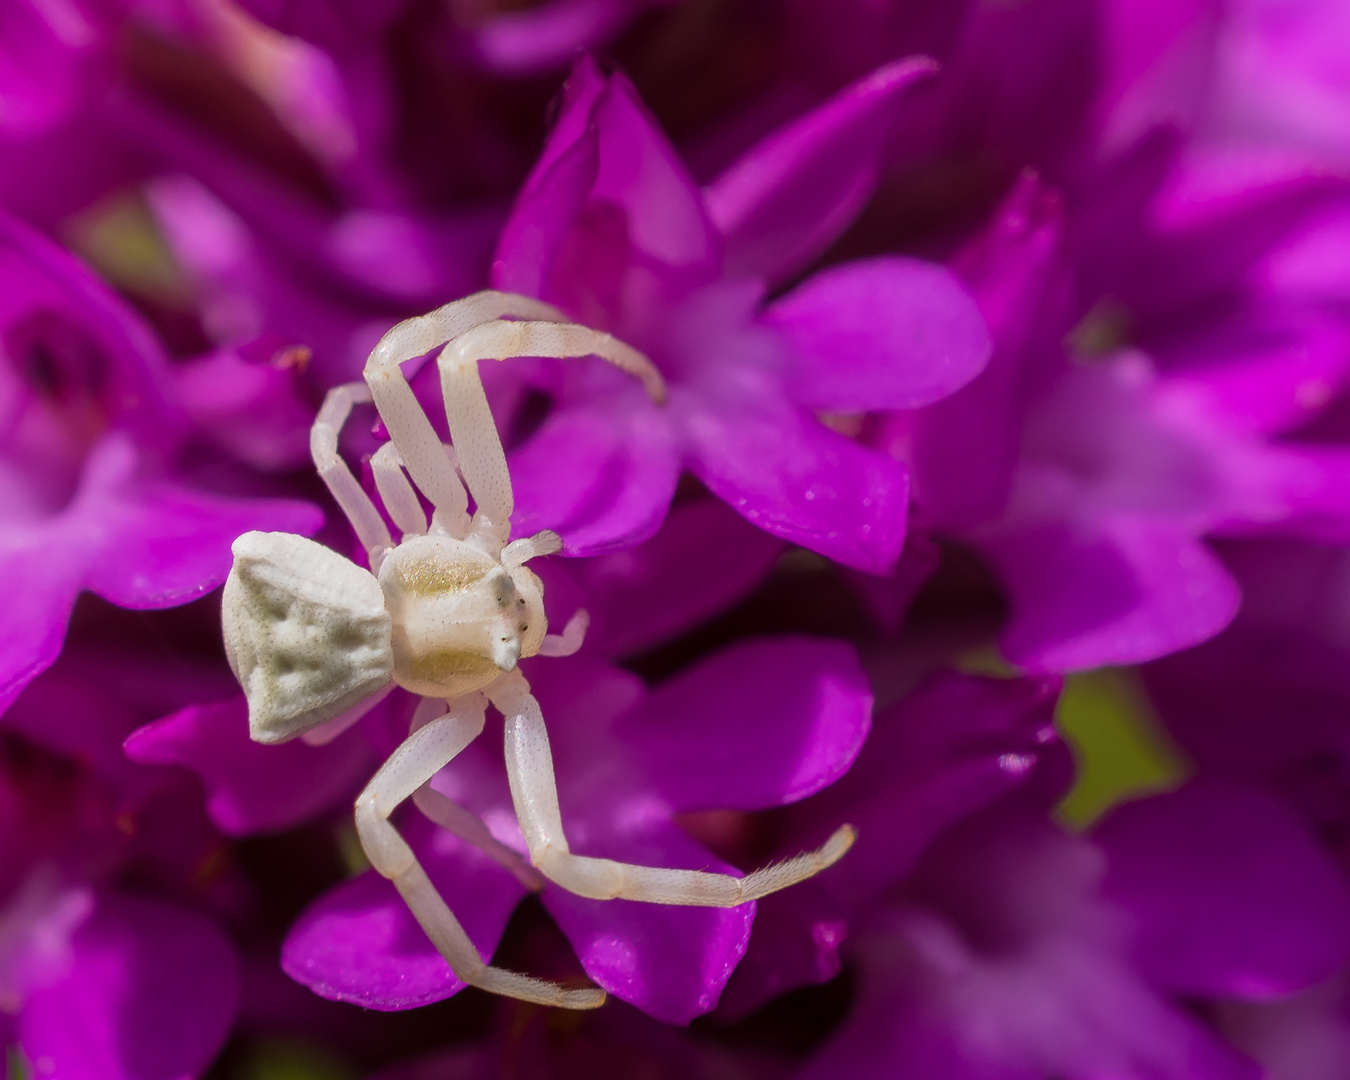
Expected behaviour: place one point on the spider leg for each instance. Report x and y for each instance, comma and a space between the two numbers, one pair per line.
418, 336
424, 753
458, 819
503, 340
472, 428
396, 492
519, 552
529, 765
569, 641
409, 428
468, 826
349, 495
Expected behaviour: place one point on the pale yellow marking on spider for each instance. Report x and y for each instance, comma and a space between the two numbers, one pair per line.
316, 641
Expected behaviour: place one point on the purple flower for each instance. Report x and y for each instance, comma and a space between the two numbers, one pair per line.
1016, 950
98, 982
91, 499
1267, 703
944, 753
1120, 386
756, 726
1089, 476
1265, 73
612, 229
269, 267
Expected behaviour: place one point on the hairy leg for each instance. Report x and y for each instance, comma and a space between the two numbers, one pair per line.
424, 753
529, 764
472, 428
408, 425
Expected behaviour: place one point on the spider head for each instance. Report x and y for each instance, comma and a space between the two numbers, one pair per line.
460, 617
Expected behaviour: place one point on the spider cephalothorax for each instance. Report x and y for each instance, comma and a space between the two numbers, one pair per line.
446, 613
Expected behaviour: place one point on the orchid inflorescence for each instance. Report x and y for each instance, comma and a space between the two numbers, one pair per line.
926, 423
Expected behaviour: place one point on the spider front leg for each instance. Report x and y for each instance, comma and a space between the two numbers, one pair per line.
529, 766
424, 753
472, 428
409, 428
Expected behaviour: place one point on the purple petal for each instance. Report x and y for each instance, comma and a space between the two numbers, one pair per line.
1167, 249
1290, 489
252, 788
1127, 591
949, 749
888, 333
785, 472
553, 195
151, 995
1307, 1035
636, 602
786, 199
933, 1003
671, 962
360, 943
36, 609
247, 286
759, 724
609, 193
140, 544
100, 346
268, 231
1268, 698
796, 942
999, 959
1265, 372
582, 699
251, 407
601, 475
642, 173
400, 257
547, 36
1233, 898
164, 544
42, 54
965, 447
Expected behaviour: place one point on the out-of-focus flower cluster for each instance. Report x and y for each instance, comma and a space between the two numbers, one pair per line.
1000, 506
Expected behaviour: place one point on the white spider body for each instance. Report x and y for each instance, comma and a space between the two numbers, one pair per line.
460, 618
446, 613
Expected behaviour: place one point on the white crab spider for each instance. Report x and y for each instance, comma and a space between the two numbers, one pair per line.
315, 641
